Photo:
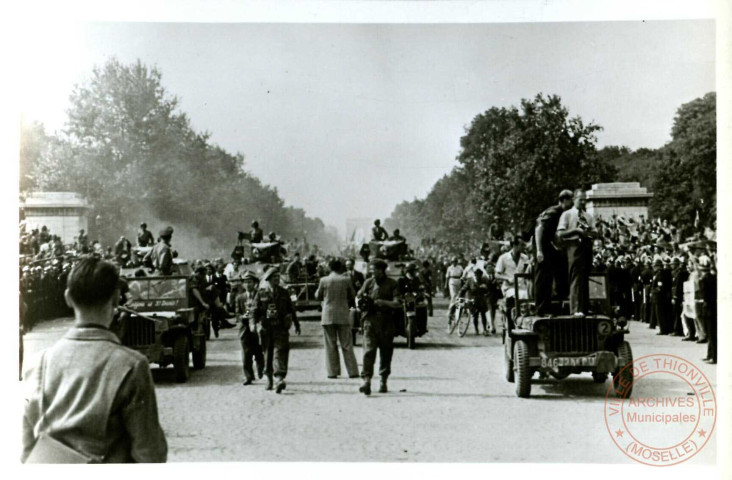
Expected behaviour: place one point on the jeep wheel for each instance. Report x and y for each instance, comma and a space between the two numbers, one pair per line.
598, 377
623, 377
199, 355
508, 363
522, 372
180, 359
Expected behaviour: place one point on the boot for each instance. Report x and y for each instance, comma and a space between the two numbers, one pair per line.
382, 387
270, 383
365, 388
281, 385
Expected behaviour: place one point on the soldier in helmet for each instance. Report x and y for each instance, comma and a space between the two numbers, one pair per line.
161, 256
144, 236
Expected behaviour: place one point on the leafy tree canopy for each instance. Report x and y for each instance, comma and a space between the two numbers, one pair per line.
129, 149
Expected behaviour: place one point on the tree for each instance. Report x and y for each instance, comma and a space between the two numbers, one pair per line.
632, 166
686, 180
133, 154
519, 159
33, 142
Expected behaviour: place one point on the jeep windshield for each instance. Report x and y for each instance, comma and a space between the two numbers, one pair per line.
157, 294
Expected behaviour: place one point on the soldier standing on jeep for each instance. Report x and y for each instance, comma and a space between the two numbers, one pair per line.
144, 237
161, 257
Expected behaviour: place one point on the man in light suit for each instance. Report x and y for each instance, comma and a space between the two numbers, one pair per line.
337, 294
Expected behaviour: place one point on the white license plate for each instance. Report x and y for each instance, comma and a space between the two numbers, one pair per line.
568, 362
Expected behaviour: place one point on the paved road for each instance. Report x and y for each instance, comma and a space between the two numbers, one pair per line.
448, 402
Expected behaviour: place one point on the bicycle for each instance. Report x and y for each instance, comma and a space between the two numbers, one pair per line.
463, 316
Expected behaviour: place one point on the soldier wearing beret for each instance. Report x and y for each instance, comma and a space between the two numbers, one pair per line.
248, 335
382, 296
275, 314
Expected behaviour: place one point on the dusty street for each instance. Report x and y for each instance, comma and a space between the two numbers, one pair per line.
448, 402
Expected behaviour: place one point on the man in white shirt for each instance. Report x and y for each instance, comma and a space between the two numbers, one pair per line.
453, 281
509, 264
576, 230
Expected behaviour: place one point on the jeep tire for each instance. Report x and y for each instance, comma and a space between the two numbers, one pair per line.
508, 363
624, 376
181, 361
522, 371
199, 354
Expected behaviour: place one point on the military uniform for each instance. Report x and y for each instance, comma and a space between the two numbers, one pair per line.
275, 314
553, 269
660, 293
248, 336
162, 258
378, 327
145, 238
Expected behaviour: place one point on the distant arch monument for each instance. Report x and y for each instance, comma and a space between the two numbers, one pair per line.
626, 199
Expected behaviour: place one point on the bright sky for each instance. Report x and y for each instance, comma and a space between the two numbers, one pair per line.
349, 120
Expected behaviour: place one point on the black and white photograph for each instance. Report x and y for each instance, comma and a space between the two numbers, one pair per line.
486, 240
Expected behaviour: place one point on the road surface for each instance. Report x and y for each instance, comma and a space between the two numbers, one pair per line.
448, 402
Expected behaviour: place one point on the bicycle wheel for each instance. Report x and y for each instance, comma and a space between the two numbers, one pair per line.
454, 318
463, 321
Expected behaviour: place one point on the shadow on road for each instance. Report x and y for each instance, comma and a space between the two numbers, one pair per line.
211, 375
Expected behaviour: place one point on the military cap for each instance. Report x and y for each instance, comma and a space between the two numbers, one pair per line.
657, 261
166, 232
249, 275
143, 225
200, 269
411, 267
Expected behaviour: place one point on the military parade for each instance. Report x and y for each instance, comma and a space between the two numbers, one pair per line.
384, 273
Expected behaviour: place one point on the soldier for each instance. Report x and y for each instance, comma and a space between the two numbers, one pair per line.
378, 232
378, 324
293, 269
660, 291
679, 275
551, 265
397, 237
122, 250
144, 236
82, 242
576, 229
248, 336
275, 313
411, 282
256, 235
161, 257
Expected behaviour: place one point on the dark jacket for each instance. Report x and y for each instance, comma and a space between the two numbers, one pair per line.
274, 308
